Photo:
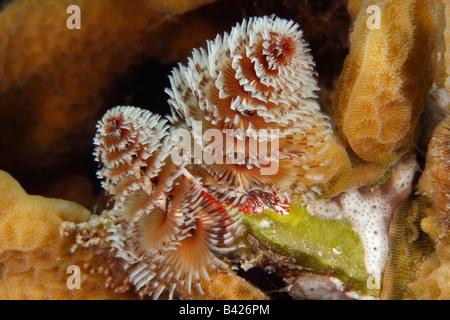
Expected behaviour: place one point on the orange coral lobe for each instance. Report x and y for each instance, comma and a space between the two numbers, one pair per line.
383, 87
35, 256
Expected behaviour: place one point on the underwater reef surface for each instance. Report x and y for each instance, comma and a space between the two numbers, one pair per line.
92, 183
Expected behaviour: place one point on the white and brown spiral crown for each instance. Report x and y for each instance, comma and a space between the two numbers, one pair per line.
261, 74
256, 84
167, 254
258, 77
167, 227
127, 142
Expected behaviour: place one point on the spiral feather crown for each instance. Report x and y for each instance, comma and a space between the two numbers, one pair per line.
258, 77
172, 218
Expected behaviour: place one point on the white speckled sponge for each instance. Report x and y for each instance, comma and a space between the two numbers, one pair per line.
370, 212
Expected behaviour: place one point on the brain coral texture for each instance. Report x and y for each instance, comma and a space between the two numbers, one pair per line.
432, 279
383, 89
35, 256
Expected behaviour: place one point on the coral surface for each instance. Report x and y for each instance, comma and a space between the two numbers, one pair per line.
432, 278
408, 245
317, 287
443, 70
35, 257
383, 87
226, 286
175, 6
58, 75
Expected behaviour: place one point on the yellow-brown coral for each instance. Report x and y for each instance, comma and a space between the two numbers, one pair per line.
54, 80
432, 279
443, 69
354, 7
408, 245
226, 286
435, 180
35, 256
387, 76
175, 6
